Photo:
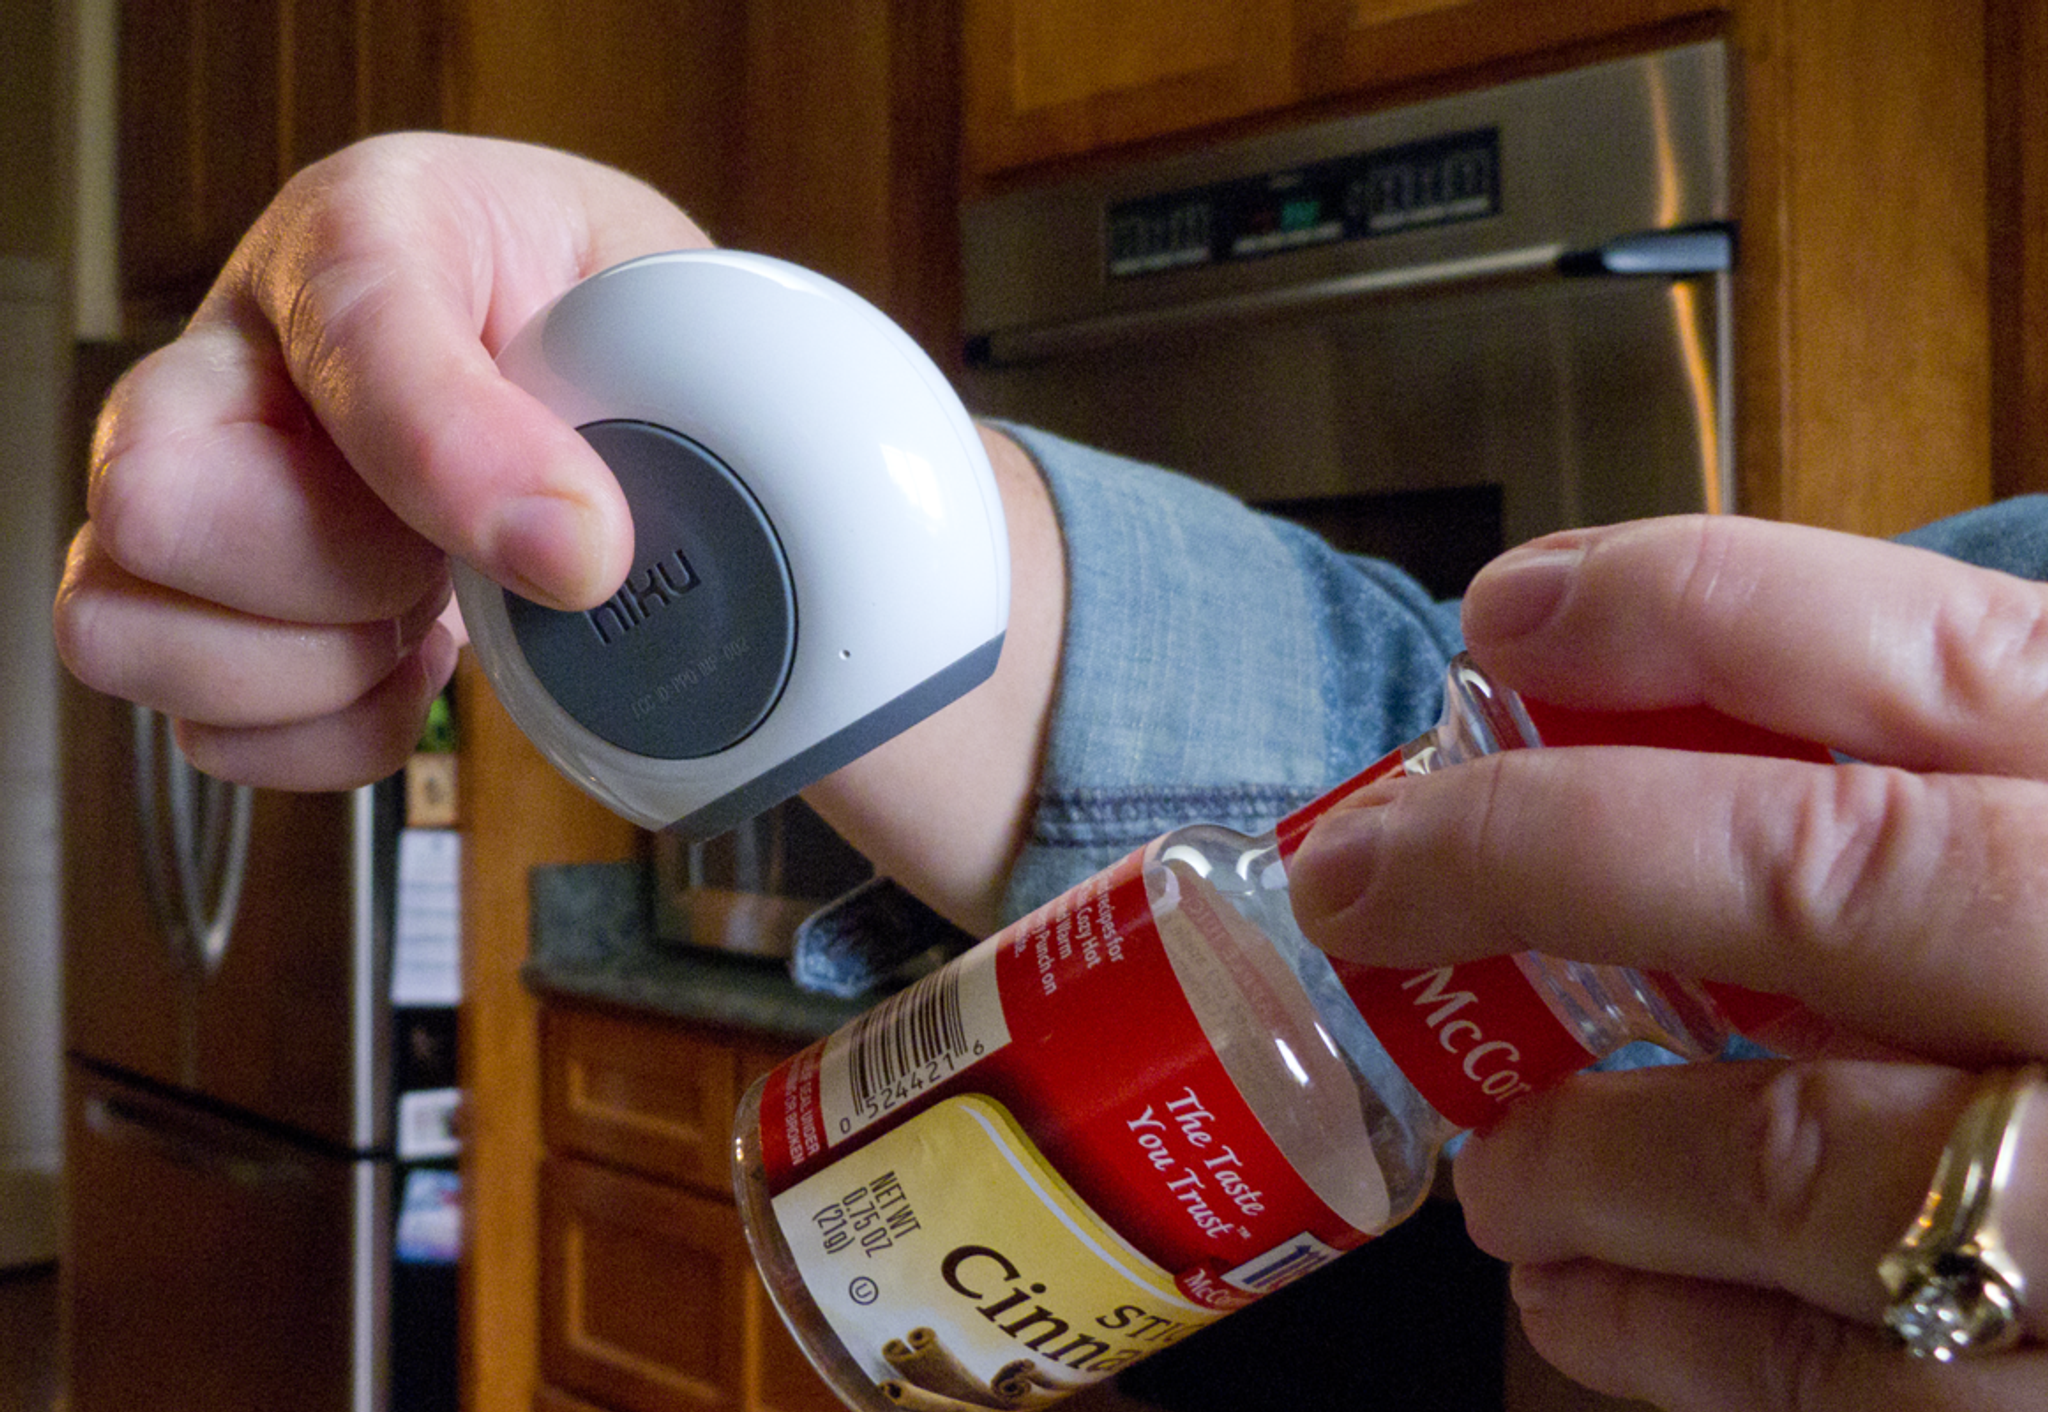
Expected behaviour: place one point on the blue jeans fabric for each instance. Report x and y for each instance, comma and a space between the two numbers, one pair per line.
1219, 666
1224, 666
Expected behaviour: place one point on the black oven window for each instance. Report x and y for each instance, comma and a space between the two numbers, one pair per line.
1442, 537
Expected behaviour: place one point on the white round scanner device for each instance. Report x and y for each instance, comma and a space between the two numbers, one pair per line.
819, 559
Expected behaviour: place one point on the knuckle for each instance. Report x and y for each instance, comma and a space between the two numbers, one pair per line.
146, 524
358, 191
328, 270
321, 315
75, 623
1787, 1156
83, 628
1712, 577
1807, 1360
141, 518
1855, 844
1491, 842
1862, 875
111, 427
1988, 658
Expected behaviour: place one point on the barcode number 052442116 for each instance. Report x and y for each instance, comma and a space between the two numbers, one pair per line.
910, 1043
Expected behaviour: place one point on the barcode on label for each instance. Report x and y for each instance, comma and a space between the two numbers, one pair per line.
909, 1044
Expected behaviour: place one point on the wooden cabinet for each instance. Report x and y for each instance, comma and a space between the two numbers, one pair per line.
649, 1299
2017, 39
1056, 78
655, 90
641, 1096
823, 134
219, 104
1050, 79
1413, 46
1863, 307
639, 1290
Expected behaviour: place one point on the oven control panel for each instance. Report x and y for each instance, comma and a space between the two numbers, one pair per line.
1435, 182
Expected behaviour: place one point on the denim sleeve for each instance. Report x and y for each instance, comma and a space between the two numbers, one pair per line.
1223, 665
2011, 536
1226, 666
1220, 665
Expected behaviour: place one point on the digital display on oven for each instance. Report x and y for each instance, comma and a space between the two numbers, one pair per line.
1436, 182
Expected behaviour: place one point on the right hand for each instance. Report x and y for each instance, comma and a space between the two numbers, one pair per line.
1707, 1236
274, 496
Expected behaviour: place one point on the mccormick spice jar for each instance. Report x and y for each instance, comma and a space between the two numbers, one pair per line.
1153, 1101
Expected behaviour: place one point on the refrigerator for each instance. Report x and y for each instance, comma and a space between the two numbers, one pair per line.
261, 1177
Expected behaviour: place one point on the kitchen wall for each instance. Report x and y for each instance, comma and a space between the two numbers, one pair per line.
35, 334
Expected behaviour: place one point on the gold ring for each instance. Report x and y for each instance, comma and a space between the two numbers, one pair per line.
1956, 1291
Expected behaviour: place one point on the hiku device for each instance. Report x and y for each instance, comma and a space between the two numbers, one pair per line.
820, 559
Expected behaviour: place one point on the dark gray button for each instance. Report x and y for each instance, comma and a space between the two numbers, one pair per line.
692, 654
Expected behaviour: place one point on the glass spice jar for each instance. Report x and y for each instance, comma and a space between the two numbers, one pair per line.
1153, 1100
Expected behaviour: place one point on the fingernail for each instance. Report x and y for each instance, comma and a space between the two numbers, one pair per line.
1520, 591
544, 547
417, 621
437, 653
1323, 877
1350, 827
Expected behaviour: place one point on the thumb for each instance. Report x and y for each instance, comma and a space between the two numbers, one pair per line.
387, 278
475, 464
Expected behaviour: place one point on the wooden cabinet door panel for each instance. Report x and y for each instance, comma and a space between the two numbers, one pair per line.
553, 1399
640, 1291
1358, 46
220, 103
1055, 78
640, 1094
199, 150
1047, 79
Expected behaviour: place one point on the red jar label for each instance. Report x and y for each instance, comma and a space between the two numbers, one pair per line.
1075, 1021
1037, 1154
1472, 1038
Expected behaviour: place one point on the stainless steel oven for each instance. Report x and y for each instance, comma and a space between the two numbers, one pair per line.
1427, 332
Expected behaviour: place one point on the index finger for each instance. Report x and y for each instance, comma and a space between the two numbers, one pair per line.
1912, 909
1885, 652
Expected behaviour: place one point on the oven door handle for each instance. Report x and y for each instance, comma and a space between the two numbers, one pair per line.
1675, 253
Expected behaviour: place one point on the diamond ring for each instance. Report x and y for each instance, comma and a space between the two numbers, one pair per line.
1956, 1291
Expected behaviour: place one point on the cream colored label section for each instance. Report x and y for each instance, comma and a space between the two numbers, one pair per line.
950, 1258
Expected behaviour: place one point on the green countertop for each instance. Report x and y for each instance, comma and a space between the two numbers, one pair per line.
592, 937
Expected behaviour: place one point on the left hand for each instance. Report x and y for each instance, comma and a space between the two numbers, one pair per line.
275, 495
1706, 1237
